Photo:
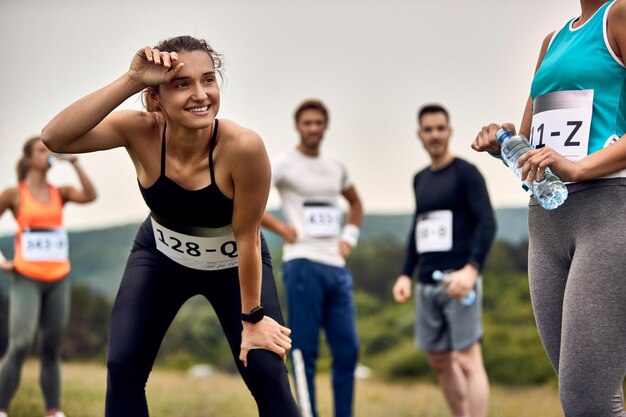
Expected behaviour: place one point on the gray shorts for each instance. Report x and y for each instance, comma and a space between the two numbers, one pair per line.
443, 323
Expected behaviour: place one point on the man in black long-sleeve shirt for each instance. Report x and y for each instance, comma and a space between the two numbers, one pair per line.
452, 231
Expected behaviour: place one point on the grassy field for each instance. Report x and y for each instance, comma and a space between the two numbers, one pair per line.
174, 394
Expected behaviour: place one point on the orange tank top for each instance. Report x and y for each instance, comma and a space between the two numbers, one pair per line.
41, 242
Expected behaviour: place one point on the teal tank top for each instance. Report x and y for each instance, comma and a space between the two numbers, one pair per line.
581, 59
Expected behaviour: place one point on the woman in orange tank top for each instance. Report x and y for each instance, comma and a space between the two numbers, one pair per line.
39, 296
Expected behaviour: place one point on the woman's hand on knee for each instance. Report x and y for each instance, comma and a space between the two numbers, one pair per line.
266, 334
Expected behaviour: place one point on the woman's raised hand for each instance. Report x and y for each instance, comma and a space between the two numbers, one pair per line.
151, 67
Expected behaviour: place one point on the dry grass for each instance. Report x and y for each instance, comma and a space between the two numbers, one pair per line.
174, 394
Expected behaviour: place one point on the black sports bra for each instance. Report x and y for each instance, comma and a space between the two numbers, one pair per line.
207, 207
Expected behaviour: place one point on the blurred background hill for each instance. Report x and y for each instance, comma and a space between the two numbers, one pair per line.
98, 255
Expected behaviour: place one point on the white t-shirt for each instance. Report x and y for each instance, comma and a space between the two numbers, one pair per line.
308, 188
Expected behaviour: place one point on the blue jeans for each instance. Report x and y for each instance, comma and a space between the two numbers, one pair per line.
320, 295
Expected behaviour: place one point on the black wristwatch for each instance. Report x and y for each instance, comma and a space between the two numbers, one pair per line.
255, 315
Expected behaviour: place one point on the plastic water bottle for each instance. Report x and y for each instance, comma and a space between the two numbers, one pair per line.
442, 277
550, 192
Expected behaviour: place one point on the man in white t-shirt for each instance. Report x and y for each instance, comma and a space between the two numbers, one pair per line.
317, 242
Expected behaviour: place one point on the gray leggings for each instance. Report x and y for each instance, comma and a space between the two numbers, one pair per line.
577, 273
35, 304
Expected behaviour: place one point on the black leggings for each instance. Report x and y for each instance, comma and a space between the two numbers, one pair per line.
152, 291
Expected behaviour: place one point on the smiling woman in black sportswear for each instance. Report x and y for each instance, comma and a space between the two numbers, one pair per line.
206, 184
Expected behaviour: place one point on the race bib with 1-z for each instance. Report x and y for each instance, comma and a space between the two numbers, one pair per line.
562, 120
433, 231
45, 245
321, 219
215, 250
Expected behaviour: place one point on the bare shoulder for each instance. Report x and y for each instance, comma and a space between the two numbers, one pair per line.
9, 197
240, 139
617, 28
546, 41
617, 17
618, 9
9, 192
544, 48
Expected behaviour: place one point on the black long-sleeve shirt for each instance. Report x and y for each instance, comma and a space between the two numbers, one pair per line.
459, 189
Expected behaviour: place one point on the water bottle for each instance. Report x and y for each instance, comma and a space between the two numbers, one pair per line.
550, 192
52, 160
442, 277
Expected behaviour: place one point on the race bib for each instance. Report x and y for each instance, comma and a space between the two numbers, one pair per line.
50, 245
321, 219
433, 231
562, 120
215, 250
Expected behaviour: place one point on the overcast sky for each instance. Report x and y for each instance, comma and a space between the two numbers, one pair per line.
372, 62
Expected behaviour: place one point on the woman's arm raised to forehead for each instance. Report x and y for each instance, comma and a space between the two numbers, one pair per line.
89, 125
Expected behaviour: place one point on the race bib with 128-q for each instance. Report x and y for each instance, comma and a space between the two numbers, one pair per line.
216, 250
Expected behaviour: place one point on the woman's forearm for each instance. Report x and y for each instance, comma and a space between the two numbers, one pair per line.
603, 162
82, 116
249, 252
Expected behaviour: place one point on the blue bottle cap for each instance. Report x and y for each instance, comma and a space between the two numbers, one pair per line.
437, 275
502, 134
469, 298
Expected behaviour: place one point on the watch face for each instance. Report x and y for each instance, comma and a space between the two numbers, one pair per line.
255, 316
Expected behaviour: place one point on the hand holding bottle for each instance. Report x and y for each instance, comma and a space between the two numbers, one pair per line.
444, 278
486, 140
549, 191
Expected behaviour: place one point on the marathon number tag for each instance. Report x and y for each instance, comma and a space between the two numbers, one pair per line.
433, 231
562, 120
215, 251
321, 219
51, 245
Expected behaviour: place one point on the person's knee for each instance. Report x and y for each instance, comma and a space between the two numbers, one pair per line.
265, 367
116, 366
580, 408
579, 400
264, 363
19, 348
51, 345
50, 353
347, 356
125, 369
470, 359
440, 361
